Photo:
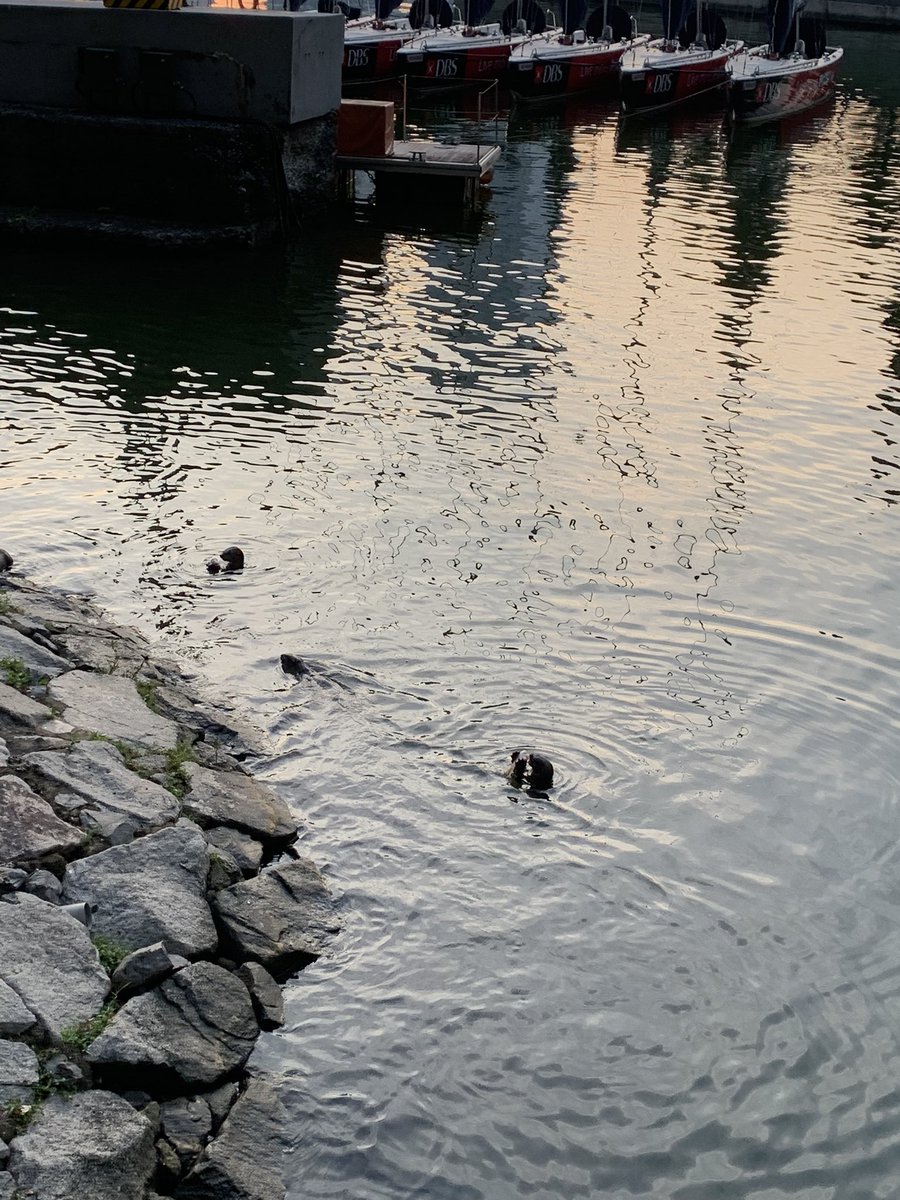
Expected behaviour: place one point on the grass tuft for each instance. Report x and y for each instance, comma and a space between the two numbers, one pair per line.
110, 952
79, 1037
176, 779
15, 673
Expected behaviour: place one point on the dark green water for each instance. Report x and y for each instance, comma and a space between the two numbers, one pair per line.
612, 470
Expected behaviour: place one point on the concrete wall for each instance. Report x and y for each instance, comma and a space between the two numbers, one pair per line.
277, 67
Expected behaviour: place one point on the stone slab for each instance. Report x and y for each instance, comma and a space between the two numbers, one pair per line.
283, 918
40, 662
152, 890
111, 705
93, 774
18, 709
192, 1031
93, 1146
29, 828
48, 959
231, 798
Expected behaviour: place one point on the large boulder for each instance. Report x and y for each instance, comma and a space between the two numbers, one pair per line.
246, 1160
191, 1032
29, 828
232, 798
94, 1146
111, 705
152, 890
93, 774
48, 959
284, 918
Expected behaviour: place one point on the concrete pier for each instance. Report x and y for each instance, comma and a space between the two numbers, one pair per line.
196, 124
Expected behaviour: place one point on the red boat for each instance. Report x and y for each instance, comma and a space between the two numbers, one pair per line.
690, 63
583, 56
794, 72
468, 52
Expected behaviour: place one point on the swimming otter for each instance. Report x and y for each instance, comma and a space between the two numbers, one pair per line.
530, 769
232, 557
6, 560
292, 665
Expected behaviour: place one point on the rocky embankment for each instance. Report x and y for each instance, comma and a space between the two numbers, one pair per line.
150, 899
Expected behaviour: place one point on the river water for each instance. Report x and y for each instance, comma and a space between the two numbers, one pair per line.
611, 471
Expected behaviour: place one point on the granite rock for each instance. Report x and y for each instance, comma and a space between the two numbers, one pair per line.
187, 1124
93, 774
111, 705
44, 885
245, 1160
283, 918
268, 1003
38, 661
15, 1018
18, 1071
92, 1145
232, 798
191, 1032
19, 709
147, 965
29, 828
48, 959
246, 851
152, 890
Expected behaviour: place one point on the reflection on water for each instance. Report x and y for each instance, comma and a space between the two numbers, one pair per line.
613, 472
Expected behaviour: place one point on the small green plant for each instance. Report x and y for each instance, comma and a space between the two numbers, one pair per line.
147, 692
130, 754
15, 673
176, 777
79, 1037
6, 605
19, 1114
110, 952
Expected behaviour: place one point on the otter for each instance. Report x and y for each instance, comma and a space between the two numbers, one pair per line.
530, 769
232, 557
6, 560
292, 665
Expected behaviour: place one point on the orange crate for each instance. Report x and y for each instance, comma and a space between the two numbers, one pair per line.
365, 128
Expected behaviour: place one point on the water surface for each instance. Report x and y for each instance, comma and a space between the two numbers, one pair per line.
612, 471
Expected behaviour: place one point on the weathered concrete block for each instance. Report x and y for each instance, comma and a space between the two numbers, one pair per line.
272, 67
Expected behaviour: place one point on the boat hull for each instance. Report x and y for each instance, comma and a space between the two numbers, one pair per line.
549, 70
658, 79
451, 60
372, 54
767, 89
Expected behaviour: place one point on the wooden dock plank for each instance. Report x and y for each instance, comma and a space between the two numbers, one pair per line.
427, 158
